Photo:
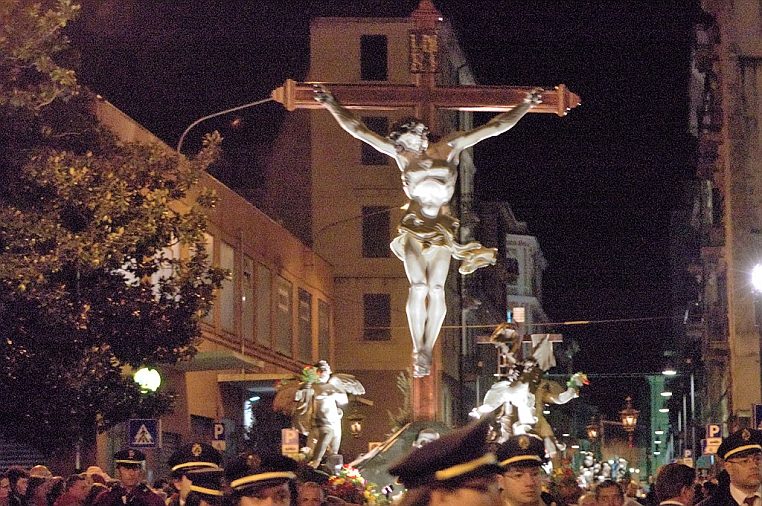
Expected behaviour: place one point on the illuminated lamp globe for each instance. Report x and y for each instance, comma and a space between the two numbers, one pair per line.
148, 379
756, 278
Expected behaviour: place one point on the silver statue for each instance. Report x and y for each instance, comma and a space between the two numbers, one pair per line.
427, 234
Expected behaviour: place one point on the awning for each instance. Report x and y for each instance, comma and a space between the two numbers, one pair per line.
222, 360
254, 382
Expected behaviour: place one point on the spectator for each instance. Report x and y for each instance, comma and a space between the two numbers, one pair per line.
310, 494
18, 479
5, 488
674, 485
609, 493
76, 489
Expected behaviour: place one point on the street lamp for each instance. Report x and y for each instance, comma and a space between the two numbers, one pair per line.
355, 424
629, 417
593, 430
226, 111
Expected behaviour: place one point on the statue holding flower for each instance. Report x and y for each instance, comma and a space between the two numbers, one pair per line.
315, 407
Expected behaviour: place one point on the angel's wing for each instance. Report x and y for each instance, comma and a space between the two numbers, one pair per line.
542, 351
285, 397
348, 383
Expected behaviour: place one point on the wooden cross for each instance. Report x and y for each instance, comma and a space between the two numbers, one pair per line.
425, 97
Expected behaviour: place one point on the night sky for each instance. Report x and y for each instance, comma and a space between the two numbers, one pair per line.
596, 187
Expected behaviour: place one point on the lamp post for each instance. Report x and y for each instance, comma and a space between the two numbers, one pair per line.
596, 429
756, 284
226, 111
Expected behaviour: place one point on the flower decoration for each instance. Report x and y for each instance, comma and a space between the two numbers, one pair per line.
309, 374
350, 486
577, 380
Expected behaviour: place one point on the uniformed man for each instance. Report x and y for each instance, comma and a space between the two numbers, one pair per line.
130, 490
206, 487
520, 459
454, 470
267, 479
190, 457
741, 453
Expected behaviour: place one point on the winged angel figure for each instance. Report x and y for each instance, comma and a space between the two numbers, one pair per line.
518, 400
314, 404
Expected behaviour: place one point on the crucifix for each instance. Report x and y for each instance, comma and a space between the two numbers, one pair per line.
428, 235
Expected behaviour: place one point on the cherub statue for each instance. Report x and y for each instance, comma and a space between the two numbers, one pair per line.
524, 390
315, 407
427, 234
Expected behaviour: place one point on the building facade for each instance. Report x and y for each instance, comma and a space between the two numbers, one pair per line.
273, 315
727, 219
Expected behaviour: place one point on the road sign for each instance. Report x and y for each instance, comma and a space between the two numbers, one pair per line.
709, 445
219, 442
144, 433
289, 441
713, 430
687, 454
688, 462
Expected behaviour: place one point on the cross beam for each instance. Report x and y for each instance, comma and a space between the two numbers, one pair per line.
424, 97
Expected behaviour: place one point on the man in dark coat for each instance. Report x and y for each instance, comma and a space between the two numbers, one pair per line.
130, 491
740, 482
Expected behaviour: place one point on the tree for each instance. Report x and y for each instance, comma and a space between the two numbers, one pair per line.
87, 286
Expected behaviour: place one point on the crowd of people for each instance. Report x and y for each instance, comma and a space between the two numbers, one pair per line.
459, 469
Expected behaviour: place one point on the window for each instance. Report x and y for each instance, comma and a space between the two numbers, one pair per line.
283, 316
375, 232
371, 156
209, 247
324, 331
377, 309
227, 292
373, 52
264, 301
305, 326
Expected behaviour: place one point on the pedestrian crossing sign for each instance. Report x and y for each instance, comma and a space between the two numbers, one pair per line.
144, 433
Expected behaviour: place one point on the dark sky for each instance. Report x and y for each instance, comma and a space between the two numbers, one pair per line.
596, 187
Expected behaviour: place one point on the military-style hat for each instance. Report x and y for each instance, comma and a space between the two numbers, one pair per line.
251, 470
524, 449
129, 457
207, 481
194, 456
740, 444
460, 455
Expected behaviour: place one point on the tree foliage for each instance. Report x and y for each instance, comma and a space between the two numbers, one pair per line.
86, 284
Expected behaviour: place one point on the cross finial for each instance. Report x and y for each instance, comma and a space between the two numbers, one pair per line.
426, 16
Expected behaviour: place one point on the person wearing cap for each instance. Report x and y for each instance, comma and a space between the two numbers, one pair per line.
206, 487
675, 485
130, 491
520, 459
456, 469
40, 480
190, 457
741, 453
266, 479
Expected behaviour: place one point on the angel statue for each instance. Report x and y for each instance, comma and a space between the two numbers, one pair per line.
315, 407
518, 400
